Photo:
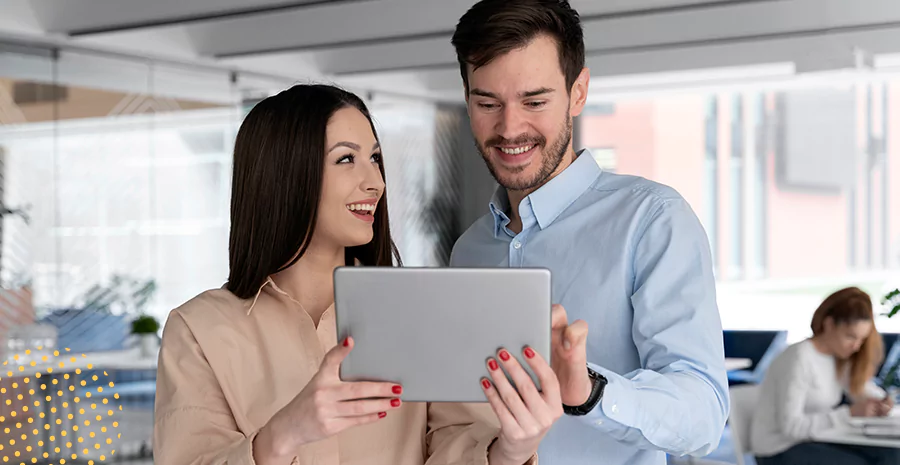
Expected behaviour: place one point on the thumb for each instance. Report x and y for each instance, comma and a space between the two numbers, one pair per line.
575, 335
331, 363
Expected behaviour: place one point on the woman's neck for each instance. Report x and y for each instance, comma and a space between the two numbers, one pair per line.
310, 281
821, 347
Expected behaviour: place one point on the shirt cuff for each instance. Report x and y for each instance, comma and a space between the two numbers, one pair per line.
484, 445
616, 407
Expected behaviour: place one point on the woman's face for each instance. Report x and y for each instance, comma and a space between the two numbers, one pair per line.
352, 185
845, 339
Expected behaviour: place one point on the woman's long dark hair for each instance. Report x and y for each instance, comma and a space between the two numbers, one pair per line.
279, 158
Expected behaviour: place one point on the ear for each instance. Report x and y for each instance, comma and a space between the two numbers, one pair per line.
579, 92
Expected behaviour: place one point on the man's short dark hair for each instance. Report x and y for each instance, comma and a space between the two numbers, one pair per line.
492, 28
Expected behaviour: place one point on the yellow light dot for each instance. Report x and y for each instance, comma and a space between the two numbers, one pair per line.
24, 408
15, 385
102, 458
71, 416
99, 418
28, 449
116, 395
18, 425
46, 455
37, 404
97, 446
110, 413
31, 392
62, 461
17, 453
93, 406
105, 400
71, 388
90, 462
74, 456
21, 368
68, 349
55, 381
64, 433
80, 439
56, 353
52, 438
77, 400
24, 437
30, 420
12, 442
35, 432
27, 351
94, 377
52, 409
20, 397
99, 388
119, 436
86, 451
44, 358
72, 359
33, 363
66, 376
12, 414
108, 440
90, 366
15, 357
92, 434
75, 428
68, 445
83, 383
65, 405
2, 419
115, 424
87, 422
111, 384
78, 371
3, 390
59, 393
48, 398
120, 408
40, 443
49, 369
56, 450
47, 426
43, 387
37, 375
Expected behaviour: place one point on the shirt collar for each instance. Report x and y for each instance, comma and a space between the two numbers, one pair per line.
551, 199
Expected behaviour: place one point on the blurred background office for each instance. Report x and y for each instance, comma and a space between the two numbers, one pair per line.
779, 121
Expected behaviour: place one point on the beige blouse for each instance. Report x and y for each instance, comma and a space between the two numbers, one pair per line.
227, 365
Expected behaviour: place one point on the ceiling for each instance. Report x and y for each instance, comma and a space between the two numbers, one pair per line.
403, 46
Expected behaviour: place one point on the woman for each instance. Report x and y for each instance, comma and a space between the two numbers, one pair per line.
248, 374
805, 385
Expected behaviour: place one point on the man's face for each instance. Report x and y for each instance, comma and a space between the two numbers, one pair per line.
521, 114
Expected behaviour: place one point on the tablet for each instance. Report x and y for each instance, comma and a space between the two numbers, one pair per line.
433, 329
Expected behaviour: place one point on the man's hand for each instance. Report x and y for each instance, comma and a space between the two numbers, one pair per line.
569, 357
525, 416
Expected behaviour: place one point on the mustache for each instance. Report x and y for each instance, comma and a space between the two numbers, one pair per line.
520, 140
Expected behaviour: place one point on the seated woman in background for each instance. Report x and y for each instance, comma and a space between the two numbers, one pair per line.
804, 387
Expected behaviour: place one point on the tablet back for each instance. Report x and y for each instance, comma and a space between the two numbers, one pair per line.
433, 329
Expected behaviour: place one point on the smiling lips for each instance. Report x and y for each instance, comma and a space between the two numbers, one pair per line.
364, 210
515, 155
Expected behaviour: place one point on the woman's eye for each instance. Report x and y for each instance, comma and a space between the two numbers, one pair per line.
376, 158
345, 159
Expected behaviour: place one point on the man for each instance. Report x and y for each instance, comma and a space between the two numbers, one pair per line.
628, 256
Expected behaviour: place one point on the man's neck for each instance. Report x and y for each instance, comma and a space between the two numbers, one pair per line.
516, 196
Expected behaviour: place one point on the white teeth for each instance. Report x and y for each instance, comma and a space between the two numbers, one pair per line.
516, 151
361, 207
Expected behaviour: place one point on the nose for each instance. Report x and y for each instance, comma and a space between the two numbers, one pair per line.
372, 181
512, 123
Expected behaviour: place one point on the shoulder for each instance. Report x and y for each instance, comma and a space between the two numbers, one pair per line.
479, 233
207, 311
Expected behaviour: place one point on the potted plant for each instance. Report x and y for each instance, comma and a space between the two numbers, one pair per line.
145, 327
891, 302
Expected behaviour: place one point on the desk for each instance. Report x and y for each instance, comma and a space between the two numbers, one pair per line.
854, 436
737, 363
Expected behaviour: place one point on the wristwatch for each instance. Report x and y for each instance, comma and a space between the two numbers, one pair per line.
599, 384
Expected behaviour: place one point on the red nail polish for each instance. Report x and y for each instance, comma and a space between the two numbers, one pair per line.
395, 402
486, 384
398, 390
382, 414
529, 353
504, 355
493, 365
347, 342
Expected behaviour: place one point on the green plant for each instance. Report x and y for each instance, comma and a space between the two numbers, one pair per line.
144, 324
891, 302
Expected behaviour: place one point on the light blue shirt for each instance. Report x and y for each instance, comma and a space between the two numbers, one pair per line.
629, 257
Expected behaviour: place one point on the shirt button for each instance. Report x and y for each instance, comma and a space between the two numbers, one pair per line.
517, 245
615, 409
598, 422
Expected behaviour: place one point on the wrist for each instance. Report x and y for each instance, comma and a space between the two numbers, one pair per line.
270, 445
498, 455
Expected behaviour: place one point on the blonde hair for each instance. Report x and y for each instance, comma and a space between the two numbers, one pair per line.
848, 306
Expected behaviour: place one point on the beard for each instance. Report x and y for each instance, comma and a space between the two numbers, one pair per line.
551, 157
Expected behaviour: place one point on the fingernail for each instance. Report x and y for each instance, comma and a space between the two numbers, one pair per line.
395, 402
492, 364
382, 414
398, 390
347, 342
529, 353
567, 345
504, 355
486, 384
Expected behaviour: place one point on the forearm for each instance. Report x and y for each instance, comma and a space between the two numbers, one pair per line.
679, 412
